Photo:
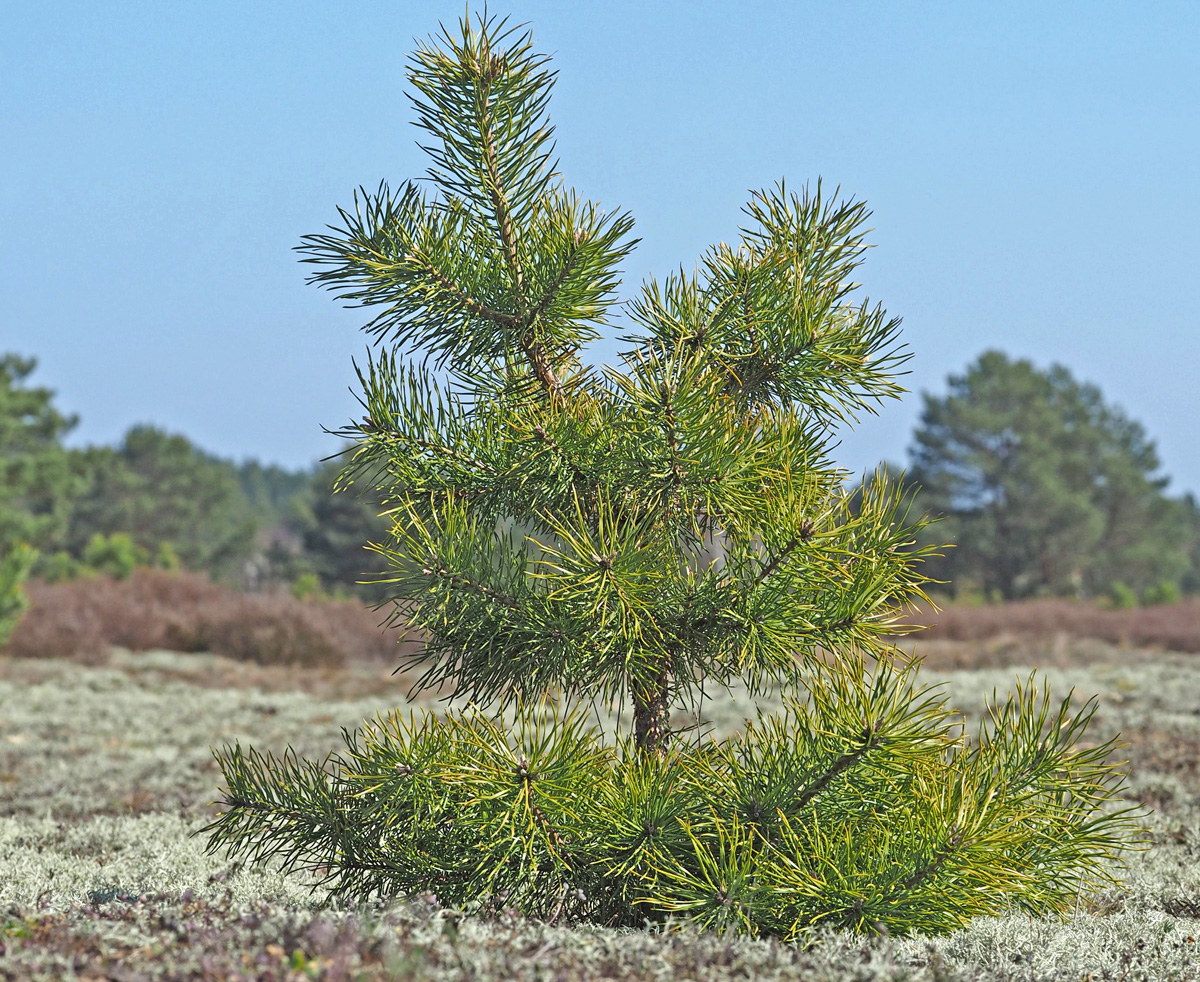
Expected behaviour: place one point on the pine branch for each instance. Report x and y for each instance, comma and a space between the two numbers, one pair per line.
839, 766
499, 203
266, 808
578, 478
669, 427
535, 352
779, 557
539, 361
460, 582
476, 307
936, 862
457, 456
552, 292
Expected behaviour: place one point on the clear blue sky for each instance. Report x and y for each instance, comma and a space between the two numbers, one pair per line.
1034, 171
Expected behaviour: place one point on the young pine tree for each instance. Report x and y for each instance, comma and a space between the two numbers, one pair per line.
639, 538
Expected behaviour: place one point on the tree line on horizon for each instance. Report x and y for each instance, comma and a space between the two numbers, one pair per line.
1043, 487
156, 499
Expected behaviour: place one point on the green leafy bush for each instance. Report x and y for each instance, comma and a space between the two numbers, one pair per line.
165, 557
1122, 597
61, 567
1162, 592
117, 554
641, 538
306, 585
15, 567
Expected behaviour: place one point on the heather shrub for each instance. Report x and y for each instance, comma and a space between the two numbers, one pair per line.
266, 628
1171, 626
157, 609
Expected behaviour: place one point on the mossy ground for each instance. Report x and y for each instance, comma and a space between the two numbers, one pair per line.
105, 770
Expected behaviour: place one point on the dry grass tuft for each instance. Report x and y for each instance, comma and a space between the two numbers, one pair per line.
153, 609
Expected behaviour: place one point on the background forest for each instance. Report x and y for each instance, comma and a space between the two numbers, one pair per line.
1044, 488
156, 499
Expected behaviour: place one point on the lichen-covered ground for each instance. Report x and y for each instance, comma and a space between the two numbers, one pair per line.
104, 772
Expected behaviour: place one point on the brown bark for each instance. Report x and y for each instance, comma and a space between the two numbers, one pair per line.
539, 361
652, 716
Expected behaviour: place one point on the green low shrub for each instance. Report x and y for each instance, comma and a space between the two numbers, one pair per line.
14, 570
1163, 592
306, 585
167, 558
117, 555
1121, 596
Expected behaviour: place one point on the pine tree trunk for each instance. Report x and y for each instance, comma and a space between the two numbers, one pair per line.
652, 716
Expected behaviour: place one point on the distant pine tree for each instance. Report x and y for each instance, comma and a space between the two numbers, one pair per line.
270, 488
1046, 489
335, 523
16, 562
37, 482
